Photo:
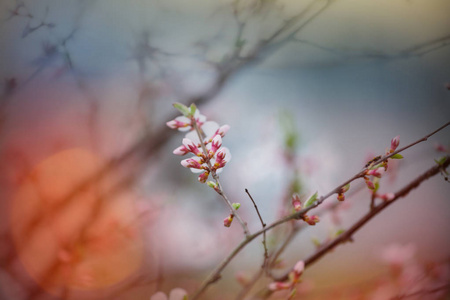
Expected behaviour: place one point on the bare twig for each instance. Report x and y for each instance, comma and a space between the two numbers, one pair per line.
246, 289
266, 256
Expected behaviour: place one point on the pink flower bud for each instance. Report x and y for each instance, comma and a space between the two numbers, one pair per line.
278, 286
221, 154
177, 124
369, 183
191, 163
223, 130
215, 145
296, 202
440, 148
220, 159
313, 220
299, 267
388, 196
394, 143
203, 177
182, 150
227, 221
378, 172
172, 124
242, 278
191, 146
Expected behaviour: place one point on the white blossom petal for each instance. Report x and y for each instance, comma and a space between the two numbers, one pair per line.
177, 294
201, 118
159, 296
209, 128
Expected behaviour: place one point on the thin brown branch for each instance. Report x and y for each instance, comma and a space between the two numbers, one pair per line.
266, 256
246, 289
215, 274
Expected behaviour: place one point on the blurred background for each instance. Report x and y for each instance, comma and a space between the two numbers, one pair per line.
94, 205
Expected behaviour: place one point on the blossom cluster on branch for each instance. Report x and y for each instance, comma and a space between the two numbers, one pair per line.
206, 144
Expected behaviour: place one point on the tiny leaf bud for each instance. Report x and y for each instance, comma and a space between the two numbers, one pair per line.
183, 109
311, 200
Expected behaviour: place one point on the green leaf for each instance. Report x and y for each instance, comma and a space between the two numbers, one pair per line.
377, 185
345, 188
315, 241
397, 156
236, 205
182, 109
311, 200
192, 108
339, 232
376, 166
441, 160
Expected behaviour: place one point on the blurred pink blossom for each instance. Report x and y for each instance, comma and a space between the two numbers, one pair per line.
397, 254
175, 294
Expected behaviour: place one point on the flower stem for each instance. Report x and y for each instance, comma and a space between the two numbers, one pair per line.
216, 178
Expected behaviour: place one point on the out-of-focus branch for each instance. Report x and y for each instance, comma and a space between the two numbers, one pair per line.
418, 50
422, 293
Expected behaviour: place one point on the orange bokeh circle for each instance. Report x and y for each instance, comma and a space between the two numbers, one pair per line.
88, 241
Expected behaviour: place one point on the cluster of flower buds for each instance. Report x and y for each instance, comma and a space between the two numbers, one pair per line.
297, 204
342, 190
376, 173
294, 279
378, 170
209, 155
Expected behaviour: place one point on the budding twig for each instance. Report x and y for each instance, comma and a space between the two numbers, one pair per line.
347, 235
343, 237
216, 178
